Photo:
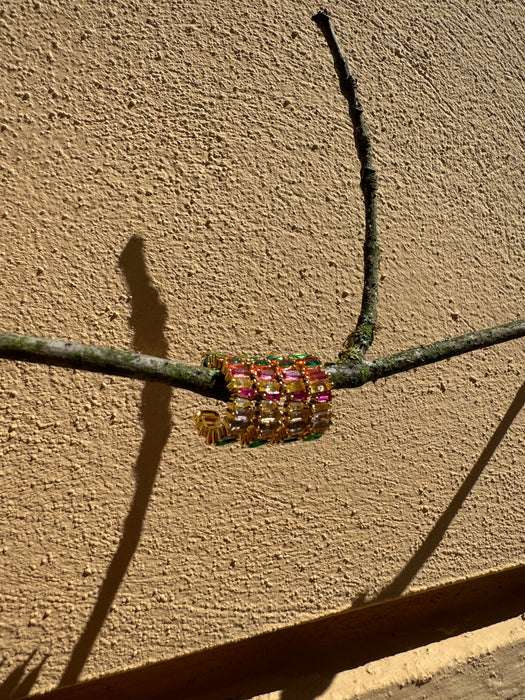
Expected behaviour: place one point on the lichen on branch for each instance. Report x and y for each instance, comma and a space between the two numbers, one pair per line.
353, 374
210, 382
362, 337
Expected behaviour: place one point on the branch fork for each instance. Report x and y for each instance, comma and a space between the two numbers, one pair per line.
352, 369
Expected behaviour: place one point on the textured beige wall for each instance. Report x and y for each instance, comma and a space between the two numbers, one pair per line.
178, 177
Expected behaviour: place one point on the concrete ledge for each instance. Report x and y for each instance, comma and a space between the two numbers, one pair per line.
325, 647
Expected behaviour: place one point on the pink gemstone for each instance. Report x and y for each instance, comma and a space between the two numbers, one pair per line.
323, 396
299, 395
247, 392
291, 375
317, 375
239, 371
266, 375
272, 395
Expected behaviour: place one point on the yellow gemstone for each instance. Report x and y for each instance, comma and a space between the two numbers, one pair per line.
292, 387
317, 387
238, 382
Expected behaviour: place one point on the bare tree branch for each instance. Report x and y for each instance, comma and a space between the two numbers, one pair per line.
209, 382
346, 376
351, 371
116, 362
362, 336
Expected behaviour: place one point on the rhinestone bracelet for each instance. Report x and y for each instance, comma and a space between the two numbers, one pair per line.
278, 399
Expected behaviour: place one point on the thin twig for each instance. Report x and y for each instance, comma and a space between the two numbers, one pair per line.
362, 336
208, 382
346, 376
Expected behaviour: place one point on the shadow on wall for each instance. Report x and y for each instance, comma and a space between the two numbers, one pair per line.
434, 537
312, 686
302, 660
18, 683
148, 319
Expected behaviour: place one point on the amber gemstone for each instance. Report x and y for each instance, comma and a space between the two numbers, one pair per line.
296, 428
269, 408
320, 426
317, 387
296, 406
298, 385
238, 424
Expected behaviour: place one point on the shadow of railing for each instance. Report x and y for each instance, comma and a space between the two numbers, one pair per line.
148, 319
326, 646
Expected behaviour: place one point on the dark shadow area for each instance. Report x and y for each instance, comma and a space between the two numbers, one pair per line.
325, 646
307, 687
148, 319
434, 537
302, 660
18, 683
431, 542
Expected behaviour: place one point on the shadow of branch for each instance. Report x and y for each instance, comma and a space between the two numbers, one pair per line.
434, 537
148, 319
18, 684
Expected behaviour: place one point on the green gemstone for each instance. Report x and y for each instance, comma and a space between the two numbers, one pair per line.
207, 360
276, 357
315, 436
298, 356
257, 443
313, 363
226, 441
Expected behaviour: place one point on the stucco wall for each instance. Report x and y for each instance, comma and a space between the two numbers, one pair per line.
178, 177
